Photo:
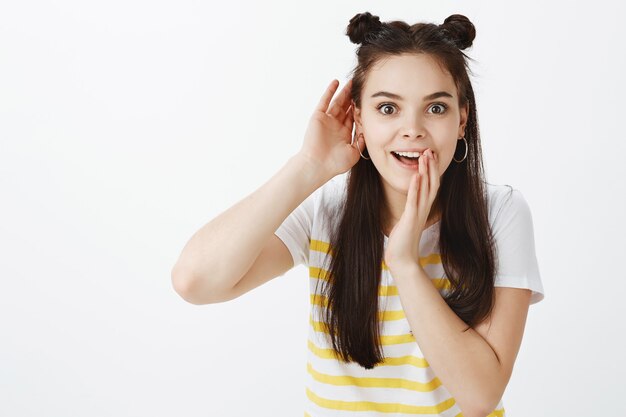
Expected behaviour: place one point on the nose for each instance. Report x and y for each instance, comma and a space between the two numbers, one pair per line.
413, 126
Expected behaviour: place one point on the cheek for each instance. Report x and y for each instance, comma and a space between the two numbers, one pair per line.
444, 157
374, 124
445, 162
374, 134
375, 141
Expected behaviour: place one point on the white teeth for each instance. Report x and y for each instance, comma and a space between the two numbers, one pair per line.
409, 154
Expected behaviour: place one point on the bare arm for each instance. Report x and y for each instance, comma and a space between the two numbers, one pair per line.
219, 254
224, 251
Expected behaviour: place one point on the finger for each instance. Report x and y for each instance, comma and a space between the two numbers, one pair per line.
423, 169
434, 172
341, 102
345, 109
349, 118
328, 94
411, 197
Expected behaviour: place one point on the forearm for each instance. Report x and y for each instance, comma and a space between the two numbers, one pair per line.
222, 251
463, 361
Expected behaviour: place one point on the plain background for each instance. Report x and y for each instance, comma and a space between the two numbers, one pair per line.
125, 126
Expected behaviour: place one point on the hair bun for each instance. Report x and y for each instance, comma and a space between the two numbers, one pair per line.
459, 30
361, 25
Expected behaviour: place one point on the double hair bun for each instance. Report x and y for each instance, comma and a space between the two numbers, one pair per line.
361, 25
457, 28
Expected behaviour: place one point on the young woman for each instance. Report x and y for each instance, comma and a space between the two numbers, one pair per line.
421, 272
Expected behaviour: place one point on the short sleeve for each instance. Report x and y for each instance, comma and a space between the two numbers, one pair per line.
295, 230
515, 242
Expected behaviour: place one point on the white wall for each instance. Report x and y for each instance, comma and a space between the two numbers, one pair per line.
127, 125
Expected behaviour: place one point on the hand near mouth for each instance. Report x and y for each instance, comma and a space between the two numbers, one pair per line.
403, 244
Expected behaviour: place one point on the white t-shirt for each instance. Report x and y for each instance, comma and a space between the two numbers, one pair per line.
405, 384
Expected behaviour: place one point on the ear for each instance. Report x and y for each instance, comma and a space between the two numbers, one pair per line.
357, 116
464, 116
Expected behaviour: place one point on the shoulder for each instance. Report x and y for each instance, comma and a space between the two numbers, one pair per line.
498, 194
329, 201
510, 215
505, 203
336, 185
332, 194
513, 232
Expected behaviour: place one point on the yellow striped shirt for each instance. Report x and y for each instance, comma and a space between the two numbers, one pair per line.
404, 384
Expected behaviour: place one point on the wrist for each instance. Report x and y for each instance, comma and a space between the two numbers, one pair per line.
310, 169
405, 269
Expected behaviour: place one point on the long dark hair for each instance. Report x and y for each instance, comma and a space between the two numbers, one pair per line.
466, 244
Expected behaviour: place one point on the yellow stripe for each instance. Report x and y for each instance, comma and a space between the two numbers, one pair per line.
315, 272
321, 352
379, 407
388, 407
432, 259
388, 315
441, 283
383, 290
494, 413
397, 339
388, 361
319, 300
388, 290
370, 382
320, 246
320, 326
355, 404
324, 247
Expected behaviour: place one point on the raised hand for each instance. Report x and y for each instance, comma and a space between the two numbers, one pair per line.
327, 141
403, 244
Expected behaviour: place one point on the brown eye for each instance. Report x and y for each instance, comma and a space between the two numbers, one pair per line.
443, 107
386, 105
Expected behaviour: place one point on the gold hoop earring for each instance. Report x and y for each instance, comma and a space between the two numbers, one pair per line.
357, 145
464, 156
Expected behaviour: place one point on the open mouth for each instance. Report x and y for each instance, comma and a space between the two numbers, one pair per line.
407, 160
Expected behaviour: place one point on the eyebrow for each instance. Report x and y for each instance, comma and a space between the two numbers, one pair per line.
426, 98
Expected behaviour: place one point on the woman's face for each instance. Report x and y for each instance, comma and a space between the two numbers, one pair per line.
398, 113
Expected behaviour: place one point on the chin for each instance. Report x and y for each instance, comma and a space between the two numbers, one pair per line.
399, 185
